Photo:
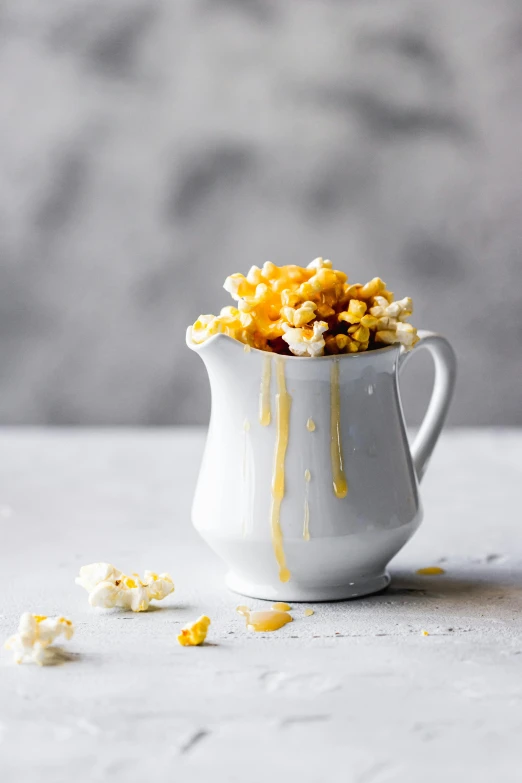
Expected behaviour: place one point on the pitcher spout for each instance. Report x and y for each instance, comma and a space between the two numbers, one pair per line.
221, 346
212, 341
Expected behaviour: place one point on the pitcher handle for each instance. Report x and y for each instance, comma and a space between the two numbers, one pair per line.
445, 376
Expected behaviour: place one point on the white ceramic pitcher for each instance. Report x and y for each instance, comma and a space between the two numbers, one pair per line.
308, 486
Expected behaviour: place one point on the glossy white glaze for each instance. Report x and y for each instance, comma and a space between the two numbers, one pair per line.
351, 538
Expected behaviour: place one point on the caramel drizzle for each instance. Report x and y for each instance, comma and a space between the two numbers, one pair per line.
246, 430
340, 485
306, 523
265, 414
283, 404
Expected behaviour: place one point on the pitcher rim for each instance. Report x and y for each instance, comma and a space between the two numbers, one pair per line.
198, 346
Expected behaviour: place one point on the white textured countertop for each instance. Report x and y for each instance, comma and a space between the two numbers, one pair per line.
353, 693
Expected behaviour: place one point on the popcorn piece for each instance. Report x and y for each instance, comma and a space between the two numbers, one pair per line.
342, 341
322, 280
270, 271
195, 633
356, 310
359, 333
405, 334
159, 585
289, 298
36, 633
306, 342
300, 316
108, 587
319, 263
371, 289
92, 575
356, 314
255, 276
399, 310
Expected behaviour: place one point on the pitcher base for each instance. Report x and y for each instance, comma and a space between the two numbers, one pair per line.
298, 593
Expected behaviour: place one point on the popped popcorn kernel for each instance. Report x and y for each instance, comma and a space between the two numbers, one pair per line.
300, 316
371, 289
356, 310
36, 634
319, 263
309, 311
194, 633
341, 341
109, 588
306, 342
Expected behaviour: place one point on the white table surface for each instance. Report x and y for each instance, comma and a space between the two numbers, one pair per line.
353, 693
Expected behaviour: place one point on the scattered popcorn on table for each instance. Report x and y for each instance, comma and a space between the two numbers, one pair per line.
36, 633
108, 587
194, 633
309, 311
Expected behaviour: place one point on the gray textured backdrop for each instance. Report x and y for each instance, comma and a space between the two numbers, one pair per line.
150, 147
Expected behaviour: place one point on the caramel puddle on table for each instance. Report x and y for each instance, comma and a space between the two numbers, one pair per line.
246, 430
268, 620
280, 606
283, 404
265, 414
430, 571
310, 425
306, 522
336, 450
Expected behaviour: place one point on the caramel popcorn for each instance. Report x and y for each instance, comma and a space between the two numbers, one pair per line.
309, 311
194, 633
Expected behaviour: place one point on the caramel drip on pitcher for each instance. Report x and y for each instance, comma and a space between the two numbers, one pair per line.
336, 450
265, 414
246, 430
306, 523
283, 404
